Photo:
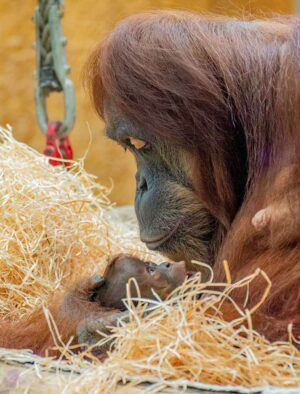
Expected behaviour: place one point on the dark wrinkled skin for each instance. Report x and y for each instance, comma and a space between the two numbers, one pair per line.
172, 219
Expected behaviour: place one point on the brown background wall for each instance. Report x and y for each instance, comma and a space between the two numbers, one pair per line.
85, 23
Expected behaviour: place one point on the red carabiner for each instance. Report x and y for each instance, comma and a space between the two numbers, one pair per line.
57, 148
66, 149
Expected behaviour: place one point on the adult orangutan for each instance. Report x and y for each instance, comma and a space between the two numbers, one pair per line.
209, 107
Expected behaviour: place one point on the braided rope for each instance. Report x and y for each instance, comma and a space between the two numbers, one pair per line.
52, 68
49, 78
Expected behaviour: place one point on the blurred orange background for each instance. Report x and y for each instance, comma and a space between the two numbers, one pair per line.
85, 23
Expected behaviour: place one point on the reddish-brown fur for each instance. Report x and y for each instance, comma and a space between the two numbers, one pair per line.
68, 309
228, 92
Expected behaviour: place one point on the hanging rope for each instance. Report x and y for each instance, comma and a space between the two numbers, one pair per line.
52, 76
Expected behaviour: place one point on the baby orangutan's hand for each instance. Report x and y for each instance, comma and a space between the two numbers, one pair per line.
280, 220
93, 329
276, 215
262, 218
281, 215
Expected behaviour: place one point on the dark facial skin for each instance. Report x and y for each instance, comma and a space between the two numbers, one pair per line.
161, 279
171, 218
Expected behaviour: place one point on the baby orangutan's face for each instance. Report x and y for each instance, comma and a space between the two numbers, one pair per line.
161, 279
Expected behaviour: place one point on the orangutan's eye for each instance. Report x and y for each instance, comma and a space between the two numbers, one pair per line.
139, 144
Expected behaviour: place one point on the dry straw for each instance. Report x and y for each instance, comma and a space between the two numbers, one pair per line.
55, 227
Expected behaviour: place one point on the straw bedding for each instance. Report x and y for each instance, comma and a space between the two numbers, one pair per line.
57, 226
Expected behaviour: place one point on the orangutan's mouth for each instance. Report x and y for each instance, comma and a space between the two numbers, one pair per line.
190, 274
155, 242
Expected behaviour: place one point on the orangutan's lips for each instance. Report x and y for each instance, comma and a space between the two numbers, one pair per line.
156, 242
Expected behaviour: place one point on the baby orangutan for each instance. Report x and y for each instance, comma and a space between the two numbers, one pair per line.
91, 304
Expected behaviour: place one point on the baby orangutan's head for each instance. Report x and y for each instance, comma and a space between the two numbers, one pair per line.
161, 279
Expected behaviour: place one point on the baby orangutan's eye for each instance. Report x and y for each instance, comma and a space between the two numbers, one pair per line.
138, 144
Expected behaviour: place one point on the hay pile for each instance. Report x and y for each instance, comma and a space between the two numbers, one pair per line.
57, 226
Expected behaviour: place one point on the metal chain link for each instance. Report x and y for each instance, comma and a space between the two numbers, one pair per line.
52, 68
